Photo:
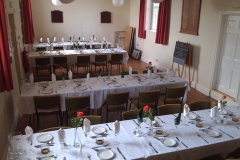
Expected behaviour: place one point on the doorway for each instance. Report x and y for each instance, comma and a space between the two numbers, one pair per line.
226, 77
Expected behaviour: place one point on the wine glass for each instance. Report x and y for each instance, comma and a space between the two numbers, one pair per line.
86, 132
64, 48
29, 141
116, 133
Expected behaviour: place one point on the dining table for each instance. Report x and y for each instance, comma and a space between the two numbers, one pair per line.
73, 54
97, 88
185, 141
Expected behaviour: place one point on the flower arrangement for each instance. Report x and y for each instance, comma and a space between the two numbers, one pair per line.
109, 68
222, 101
76, 45
62, 72
148, 112
150, 67
78, 120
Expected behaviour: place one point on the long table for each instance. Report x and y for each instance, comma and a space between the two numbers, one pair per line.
98, 89
73, 54
191, 143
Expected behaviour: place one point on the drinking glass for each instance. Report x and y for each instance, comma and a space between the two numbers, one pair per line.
29, 141
64, 48
116, 133
14, 139
86, 132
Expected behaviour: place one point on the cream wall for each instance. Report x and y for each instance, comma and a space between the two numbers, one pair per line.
203, 46
80, 18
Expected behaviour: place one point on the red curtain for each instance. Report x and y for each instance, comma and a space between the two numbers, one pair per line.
142, 19
27, 22
163, 23
6, 83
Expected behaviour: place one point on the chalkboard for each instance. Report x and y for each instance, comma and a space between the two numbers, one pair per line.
180, 52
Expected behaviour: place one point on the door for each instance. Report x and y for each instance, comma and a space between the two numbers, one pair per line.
229, 68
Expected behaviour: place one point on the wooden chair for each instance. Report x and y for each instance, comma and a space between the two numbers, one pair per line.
116, 102
100, 60
53, 129
117, 59
132, 114
59, 62
75, 104
146, 98
42, 64
169, 109
94, 119
200, 105
83, 61
40, 79
47, 105
173, 95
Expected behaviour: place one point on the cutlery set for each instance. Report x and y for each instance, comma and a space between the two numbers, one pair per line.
202, 138
181, 142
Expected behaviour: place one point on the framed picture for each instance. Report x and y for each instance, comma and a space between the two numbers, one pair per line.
190, 16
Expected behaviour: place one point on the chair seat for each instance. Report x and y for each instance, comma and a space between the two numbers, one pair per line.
84, 64
113, 108
43, 67
170, 101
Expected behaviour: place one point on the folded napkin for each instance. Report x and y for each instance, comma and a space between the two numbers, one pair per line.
104, 39
177, 119
29, 133
116, 126
53, 77
154, 69
88, 76
48, 40
90, 45
41, 40
61, 135
31, 78
130, 71
63, 40
86, 125
69, 74
149, 73
186, 110
54, 39
83, 38
213, 112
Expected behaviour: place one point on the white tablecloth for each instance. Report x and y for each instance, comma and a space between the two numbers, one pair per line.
72, 55
133, 147
98, 90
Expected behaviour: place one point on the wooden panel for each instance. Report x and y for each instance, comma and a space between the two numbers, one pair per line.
190, 16
57, 16
127, 38
105, 17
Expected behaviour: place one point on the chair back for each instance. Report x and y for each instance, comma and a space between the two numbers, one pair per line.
60, 60
149, 97
133, 72
117, 57
200, 105
40, 79
117, 98
132, 114
42, 61
94, 119
100, 58
46, 102
83, 59
174, 95
169, 109
53, 129
74, 104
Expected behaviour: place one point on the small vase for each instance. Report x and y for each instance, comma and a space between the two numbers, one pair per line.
109, 73
149, 73
76, 140
63, 81
150, 130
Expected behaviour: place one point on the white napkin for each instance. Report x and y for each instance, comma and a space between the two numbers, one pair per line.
53, 77
149, 73
54, 39
63, 40
48, 40
31, 78
86, 125
186, 110
95, 38
61, 135
41, 40
154, 69
116, 126
101, 46
104, 39
91, 45
213, 111
88, 76
29, 133
69, 74
130, 71
83, 38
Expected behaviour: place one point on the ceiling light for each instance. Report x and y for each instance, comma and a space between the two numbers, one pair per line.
66, 1
56, 2
117, 3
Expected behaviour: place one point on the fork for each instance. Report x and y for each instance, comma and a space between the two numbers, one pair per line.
89, 156
150, 144
109, 127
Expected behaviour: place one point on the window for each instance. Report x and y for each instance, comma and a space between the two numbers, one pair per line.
154, 15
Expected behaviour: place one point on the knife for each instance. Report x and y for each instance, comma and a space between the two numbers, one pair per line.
181, 142
135, 122
161, 120
225, 133
45, 157
121, 153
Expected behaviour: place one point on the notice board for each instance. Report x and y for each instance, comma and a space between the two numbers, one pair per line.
180, 52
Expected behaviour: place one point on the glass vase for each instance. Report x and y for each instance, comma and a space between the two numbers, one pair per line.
76, 140
150, 130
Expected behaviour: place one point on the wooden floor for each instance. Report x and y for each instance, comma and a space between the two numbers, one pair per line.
50, 121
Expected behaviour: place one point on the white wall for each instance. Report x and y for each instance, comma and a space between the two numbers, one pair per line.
80, 18
203, 45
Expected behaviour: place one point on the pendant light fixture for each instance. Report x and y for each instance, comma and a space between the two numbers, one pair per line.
56, 2
66, 1
117, 3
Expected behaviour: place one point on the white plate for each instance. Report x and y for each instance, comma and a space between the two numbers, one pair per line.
147, 121
169, 142
106, 154
212, 133
43, 138
81, 88
47, 91
192, 116
78, 80
98, 130
48, 158
224, 112
169, 80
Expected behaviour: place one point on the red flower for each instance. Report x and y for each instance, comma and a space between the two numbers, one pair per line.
150, 63
109, 65
223, 96
61, 68
146, 108
80, 114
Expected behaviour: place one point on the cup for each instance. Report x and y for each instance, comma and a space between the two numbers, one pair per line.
45, 149
235, 118
199, 124
99, 140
